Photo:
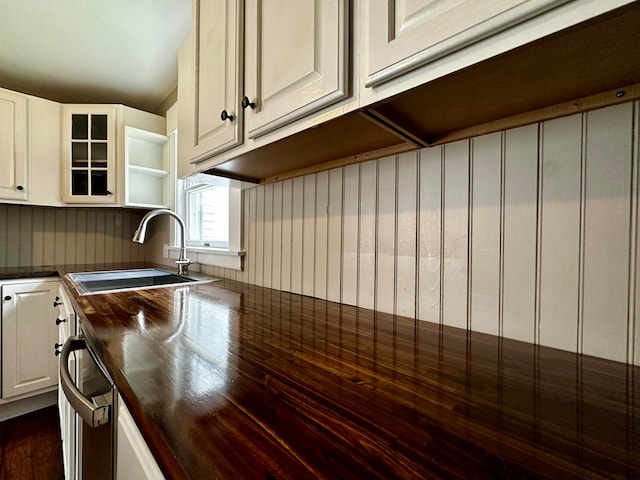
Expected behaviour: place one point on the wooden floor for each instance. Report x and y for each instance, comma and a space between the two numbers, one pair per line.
31, 447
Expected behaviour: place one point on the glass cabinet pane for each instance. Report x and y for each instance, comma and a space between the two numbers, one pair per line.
80, 182
98, 127
99, 183
79, 154
89, 154
99, 155
79, 127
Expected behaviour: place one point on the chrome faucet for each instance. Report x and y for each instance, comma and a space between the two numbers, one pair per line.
183, 262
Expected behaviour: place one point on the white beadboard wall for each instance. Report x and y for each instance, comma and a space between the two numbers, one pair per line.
529, 234
36, 236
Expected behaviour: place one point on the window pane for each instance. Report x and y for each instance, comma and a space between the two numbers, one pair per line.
208, 216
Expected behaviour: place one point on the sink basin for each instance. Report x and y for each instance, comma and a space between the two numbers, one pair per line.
88, 283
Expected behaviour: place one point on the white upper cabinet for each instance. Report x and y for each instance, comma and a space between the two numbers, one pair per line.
295, 60
29, 149
13, 146
114, 155
406, 34
251, 67
217, 79
88, 154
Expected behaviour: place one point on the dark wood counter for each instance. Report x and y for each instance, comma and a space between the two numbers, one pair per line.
232, 381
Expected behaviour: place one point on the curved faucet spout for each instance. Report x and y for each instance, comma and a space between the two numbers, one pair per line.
140, 235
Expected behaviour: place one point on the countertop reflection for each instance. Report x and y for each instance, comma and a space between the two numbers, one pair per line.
229, 380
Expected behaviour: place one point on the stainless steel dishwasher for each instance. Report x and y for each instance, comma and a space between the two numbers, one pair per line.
93, 397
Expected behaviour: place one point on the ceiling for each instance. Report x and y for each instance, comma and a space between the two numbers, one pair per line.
84, 51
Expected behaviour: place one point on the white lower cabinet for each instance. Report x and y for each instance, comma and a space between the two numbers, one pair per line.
29, 333
68, 419
134, 460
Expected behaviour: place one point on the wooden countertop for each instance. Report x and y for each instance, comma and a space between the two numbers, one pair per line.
232, 381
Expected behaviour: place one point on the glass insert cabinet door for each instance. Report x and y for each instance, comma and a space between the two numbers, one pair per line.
89, 154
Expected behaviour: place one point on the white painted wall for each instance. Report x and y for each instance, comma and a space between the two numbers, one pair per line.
529, 233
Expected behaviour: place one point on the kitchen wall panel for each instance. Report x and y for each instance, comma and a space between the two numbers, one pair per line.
309, 235
520, 240
633, 341
350, 234
36, 236
560, 170
486, 239
367, 213
321, 244
287, 211
406, 234
267, 267
429, 235
607, 208
529, 233
334, 235
455, 236
276, 237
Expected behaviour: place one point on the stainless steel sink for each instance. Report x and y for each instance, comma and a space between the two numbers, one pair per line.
91, 283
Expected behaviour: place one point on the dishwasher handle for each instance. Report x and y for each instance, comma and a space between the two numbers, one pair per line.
94, 411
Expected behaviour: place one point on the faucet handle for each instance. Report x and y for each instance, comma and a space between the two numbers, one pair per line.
183, 266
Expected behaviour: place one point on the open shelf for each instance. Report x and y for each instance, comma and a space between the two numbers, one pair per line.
148, 174
154, 172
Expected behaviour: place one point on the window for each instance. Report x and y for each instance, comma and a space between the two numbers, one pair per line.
211, 209
207, 214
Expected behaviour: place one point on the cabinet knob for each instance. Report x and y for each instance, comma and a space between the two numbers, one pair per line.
60, 320
57, 345
57, 352
20, 187
248, 103
225, 116
7, 297
55, 304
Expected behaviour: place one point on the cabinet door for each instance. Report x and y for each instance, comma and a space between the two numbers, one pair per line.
29, 333
406, 34
133, 457
13, 146
88, 154
217, 77
296, 60
44, 152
